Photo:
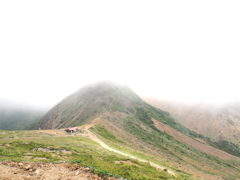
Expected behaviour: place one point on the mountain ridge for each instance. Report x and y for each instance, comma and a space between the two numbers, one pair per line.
123, 121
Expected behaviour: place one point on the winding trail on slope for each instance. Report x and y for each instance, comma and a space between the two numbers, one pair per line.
93, 137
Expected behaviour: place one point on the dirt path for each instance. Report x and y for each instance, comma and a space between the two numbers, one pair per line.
93, 137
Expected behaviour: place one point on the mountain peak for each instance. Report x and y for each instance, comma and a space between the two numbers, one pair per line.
89, 101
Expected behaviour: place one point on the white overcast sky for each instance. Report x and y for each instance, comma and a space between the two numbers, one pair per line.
182, 50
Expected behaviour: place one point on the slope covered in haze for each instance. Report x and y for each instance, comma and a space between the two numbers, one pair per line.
219, 122
126, 123
16, 117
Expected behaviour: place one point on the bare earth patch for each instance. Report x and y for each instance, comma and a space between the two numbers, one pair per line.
36, 171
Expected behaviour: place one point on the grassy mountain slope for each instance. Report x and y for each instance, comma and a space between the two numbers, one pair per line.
57, 146
138, 139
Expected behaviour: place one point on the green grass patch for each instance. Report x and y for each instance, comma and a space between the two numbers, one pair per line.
83, 149
100, 130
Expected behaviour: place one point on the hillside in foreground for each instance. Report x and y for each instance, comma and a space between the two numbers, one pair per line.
76, 157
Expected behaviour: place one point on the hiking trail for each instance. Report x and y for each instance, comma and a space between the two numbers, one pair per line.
90, 135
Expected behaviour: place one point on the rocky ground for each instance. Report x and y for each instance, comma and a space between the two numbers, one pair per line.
46, 171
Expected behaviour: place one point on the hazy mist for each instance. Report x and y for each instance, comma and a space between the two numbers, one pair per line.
177, 50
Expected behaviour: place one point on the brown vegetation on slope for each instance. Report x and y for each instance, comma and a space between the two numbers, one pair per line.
215, 121
191, 142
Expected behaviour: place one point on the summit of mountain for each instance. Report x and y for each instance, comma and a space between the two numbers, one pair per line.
88, 102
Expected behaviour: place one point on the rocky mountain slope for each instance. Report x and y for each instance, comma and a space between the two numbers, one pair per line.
219, 122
